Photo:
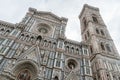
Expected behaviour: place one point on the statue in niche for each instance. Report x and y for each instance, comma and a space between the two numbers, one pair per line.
71, 65
24, 75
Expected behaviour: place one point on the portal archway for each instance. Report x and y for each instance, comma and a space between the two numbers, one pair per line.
25, 70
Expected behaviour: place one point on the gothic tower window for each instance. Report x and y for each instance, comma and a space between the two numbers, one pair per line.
85, 37
108, 47
84, 23
91, 49
88, 33
102, 46
102, 32
97, 31
67, 48
94, 19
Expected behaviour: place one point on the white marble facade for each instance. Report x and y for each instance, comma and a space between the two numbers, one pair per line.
37, 49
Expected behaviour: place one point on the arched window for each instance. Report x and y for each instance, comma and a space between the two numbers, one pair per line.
85, 37
39, 37
88, 33
102, 46
108, 47
102, 32
72, 50
91, 49
67, 48
97, 31
94, 19
24, 75
84, 23
56, 78
77, 51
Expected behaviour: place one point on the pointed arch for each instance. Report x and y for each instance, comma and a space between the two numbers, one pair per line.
84, 23
102, 46
56, 78
94, 18
108, 48
102, 32
97, 31
39, 38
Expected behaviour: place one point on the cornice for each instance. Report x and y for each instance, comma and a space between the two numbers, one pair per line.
82, 43
87, 6
7, 24
36, 12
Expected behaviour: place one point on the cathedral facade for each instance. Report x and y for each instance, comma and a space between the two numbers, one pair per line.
37, 49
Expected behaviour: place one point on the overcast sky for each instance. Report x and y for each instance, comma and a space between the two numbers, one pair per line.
14, 10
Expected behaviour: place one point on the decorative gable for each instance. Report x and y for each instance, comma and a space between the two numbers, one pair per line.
31, 54
49, 16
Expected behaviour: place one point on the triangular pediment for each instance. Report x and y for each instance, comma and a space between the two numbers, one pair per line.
31, 54
72, 76
49, 15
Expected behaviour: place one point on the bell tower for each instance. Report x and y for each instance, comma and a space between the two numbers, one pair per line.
94, 31
102, 48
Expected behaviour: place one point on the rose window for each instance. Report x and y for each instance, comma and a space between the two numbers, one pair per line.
43, 29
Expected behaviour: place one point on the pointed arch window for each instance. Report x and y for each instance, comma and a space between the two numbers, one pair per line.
72, 50
88, 33
85, 37
97, 31
56, 78
102, 46
108, 47
91, 49
95, 19
67, 48
84, 23
77, 51
102, 32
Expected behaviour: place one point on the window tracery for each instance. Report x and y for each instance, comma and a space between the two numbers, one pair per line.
94, 19
102, 46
